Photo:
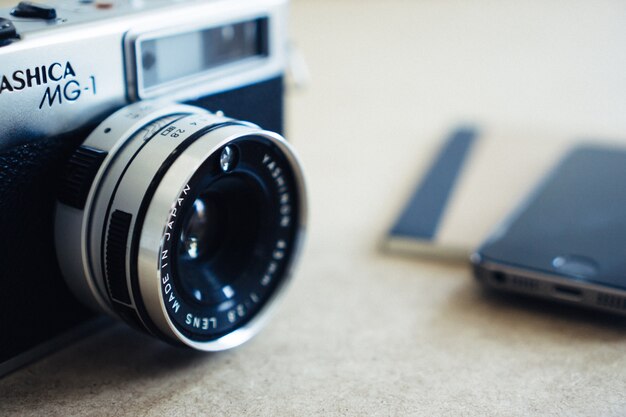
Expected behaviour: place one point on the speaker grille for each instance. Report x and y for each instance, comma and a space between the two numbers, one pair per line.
611, 301
523, 283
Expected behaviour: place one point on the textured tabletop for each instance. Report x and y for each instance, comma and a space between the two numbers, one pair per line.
366, 333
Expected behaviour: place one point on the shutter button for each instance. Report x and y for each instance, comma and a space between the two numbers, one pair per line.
32, 10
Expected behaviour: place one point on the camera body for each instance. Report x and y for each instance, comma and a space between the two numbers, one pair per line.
67, 65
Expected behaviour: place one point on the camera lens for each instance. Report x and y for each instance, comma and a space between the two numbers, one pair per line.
218, 239
188, 223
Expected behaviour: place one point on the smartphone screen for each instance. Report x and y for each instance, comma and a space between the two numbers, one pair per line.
568, 240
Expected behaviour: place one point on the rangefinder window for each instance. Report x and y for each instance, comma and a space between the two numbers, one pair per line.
167, 59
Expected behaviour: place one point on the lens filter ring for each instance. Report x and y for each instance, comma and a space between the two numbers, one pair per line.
217, 296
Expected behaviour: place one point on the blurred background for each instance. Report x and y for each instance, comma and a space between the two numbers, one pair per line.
555, 64
390, 79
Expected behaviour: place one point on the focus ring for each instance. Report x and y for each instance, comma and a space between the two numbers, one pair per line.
115, 260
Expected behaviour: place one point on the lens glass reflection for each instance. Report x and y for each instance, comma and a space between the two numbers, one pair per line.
218, 239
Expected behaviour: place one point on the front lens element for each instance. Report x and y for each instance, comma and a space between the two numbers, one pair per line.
232, 237
217, 243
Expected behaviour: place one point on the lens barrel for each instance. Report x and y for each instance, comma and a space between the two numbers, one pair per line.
183, 223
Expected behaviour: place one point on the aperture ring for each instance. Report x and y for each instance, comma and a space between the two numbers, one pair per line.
78, 252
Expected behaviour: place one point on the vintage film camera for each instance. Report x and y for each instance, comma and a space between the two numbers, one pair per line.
127, 177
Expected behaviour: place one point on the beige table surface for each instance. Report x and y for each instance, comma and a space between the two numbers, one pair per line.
361, 332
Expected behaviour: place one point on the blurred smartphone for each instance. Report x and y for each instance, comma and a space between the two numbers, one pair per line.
567, 242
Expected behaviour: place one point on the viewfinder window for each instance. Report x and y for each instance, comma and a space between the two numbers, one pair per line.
180, 56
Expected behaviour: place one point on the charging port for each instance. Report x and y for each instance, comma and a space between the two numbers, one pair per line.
498, 277
567, 292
